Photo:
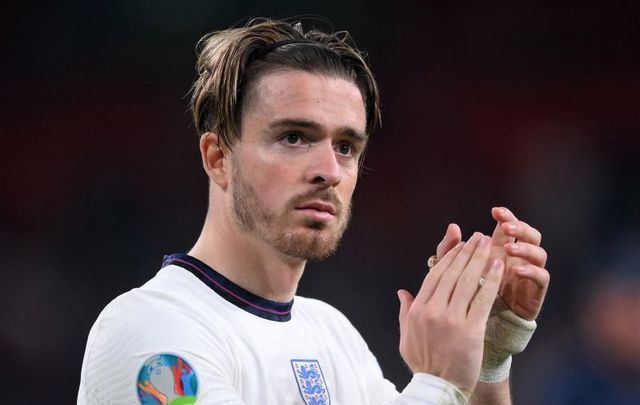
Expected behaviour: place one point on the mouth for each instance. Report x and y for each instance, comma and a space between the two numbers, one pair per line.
318, 210
318, 206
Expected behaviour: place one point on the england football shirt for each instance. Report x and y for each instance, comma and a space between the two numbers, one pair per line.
190, 335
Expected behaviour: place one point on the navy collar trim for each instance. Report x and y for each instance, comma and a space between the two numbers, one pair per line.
264, 308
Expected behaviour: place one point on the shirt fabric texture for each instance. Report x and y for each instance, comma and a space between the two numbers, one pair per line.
243, 349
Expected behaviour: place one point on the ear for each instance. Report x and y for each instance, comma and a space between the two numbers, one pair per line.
213, 159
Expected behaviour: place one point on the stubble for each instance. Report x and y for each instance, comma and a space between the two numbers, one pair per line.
314, 240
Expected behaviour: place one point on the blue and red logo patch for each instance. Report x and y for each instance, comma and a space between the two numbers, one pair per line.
167, 379
311, 384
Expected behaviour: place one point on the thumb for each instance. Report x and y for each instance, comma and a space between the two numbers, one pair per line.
451, 238
406, 299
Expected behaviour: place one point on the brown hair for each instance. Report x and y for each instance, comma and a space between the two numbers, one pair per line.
231, 61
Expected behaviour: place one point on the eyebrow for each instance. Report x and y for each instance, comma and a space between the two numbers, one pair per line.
302, 123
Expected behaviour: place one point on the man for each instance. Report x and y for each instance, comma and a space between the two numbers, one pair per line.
284, 118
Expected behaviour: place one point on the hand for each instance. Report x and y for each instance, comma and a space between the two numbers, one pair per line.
442, 329
525, 283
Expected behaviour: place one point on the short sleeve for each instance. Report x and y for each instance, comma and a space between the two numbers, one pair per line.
146, 348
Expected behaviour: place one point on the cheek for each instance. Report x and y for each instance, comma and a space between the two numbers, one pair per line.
273, 182
348, 186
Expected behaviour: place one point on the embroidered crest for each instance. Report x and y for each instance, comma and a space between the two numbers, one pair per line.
310, 380
167, 379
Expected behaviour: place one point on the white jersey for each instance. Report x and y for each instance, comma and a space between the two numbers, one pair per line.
190, 334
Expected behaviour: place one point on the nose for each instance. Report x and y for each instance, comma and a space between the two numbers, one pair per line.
324, 168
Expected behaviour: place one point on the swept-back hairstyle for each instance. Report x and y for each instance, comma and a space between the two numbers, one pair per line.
230, 62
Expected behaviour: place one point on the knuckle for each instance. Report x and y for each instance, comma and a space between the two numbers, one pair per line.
449, 323
546, 276
538, 235
483, 298
436, 271
464, 279
450, 320
544, 255
533, 233
430, 315
413, 314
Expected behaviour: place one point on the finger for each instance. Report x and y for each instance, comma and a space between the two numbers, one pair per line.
483, 301
467, 285
433, 278
442, 293
452, 237
537, 275
501, 214
406, 299
536, 282
532, 253
522, 231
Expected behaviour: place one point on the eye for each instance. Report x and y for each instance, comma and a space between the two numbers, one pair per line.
292, 138
345, 149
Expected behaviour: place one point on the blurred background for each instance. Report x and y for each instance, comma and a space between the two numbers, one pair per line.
532, 106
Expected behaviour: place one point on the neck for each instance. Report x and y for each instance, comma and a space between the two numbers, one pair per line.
248, 262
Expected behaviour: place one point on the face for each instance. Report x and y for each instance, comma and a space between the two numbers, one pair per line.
295, 167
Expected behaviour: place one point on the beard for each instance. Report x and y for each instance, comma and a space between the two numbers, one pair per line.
312, 240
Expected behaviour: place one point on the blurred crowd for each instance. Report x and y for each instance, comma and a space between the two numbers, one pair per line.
530, 106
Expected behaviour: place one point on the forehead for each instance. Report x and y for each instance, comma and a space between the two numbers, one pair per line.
329, 101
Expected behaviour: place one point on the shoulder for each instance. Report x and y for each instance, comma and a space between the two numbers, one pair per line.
164, 317
169, 299
160, 313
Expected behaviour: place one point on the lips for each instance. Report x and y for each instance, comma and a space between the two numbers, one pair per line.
318, 206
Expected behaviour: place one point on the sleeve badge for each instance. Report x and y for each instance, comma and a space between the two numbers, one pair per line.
167, 379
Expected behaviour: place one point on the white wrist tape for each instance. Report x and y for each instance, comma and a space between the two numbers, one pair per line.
506, 334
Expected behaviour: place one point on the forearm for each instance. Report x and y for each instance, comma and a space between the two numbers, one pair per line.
491, 394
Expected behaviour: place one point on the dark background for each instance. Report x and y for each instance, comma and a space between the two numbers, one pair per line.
532, 106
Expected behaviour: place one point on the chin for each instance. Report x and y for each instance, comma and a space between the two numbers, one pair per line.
313, 243
316, 225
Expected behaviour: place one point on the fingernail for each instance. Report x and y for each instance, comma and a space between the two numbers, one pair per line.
512, 228
503, 211
484, 241
514, 247
520, 269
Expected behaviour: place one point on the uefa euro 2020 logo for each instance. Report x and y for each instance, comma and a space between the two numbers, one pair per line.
167, 379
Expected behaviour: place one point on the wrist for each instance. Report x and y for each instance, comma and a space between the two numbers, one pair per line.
506, 334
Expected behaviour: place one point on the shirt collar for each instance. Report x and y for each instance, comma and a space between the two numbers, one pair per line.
264, 308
